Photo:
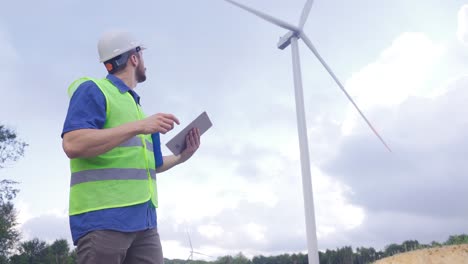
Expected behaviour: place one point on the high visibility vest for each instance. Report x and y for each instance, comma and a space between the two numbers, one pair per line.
123, 176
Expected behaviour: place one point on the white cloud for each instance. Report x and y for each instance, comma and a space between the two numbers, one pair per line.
24, 212
254, 225
211, 231
418, 187
173, 249
462, 31
401, 71
335, 213
47, 227
8, 52
9, 72
256, 232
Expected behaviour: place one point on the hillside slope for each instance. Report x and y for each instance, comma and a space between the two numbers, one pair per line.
457, 254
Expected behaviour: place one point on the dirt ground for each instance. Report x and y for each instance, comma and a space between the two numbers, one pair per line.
443, 255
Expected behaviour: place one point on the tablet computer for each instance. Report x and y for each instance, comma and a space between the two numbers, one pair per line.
177, 144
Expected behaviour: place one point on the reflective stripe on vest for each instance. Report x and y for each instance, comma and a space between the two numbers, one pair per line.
136, 142
110, 174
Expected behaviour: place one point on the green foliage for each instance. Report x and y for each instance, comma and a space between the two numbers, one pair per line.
39, 252
281, 259
224, 260
299, 259
59, 252
241, 259
180, 261
7, 191
9, 236
33, 251
393, 249
457, 240
344, 255
365, 255
237, 259
435, 244
11, 148
410, 245
4, 260
174, 261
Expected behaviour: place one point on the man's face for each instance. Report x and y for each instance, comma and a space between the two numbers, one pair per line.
140, 70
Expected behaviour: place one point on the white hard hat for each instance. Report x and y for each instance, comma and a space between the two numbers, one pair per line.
115, 43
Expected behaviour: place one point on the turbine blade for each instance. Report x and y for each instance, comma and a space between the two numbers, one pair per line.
266, 17
305, 13
312, 48
190, 241
199, 253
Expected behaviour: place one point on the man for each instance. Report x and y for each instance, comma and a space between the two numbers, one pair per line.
114, 153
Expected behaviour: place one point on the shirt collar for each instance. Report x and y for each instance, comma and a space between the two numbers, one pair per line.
123, 88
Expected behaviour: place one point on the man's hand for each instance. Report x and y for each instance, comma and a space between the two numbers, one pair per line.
162, 123
192, 141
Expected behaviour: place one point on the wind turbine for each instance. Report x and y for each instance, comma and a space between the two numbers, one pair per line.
291, 38
190, 257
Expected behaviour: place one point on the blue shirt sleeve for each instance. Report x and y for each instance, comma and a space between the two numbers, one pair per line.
157, 149
87, 108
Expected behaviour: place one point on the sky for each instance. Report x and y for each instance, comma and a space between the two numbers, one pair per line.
404, 63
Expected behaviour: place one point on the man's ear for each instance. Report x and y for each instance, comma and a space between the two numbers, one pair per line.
134, 60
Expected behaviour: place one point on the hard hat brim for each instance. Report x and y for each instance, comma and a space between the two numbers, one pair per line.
142, 47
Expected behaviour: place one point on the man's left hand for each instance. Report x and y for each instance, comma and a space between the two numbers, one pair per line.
192, 141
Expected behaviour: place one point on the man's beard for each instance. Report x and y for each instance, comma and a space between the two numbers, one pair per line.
140, 74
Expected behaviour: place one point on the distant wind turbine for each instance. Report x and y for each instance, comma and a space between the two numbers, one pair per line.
190, 257
291, 38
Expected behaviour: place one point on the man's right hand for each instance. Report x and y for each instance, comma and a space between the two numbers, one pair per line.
161, 122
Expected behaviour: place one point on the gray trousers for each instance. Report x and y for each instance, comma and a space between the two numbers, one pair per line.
113, 247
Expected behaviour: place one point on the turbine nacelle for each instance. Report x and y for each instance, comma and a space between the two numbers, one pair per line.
285, 40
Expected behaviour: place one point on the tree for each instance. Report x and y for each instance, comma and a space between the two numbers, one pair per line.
224, 260
241, 259
457, 240
259, 260
31, 252
345, 255
329, 257
72, 258
393, 249
9, 236
435, 244
59, 252
11, 149
39, 252
299, 259
410, 245
365, 255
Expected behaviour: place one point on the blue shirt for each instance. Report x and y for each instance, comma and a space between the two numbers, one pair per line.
87, 110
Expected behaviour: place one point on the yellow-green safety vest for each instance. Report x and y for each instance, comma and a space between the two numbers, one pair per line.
123, 176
